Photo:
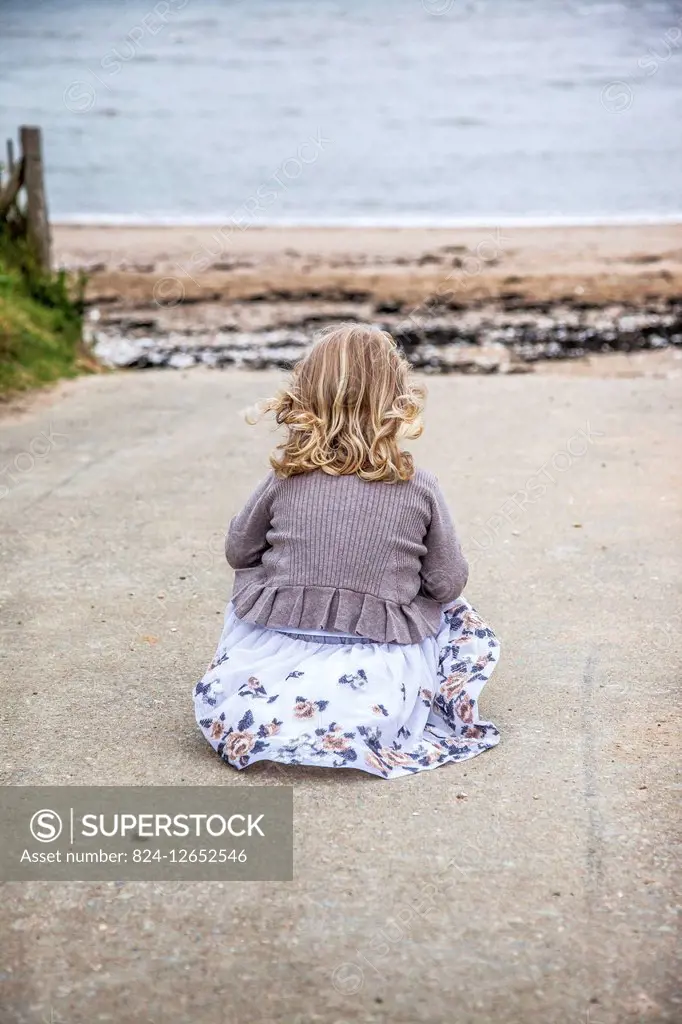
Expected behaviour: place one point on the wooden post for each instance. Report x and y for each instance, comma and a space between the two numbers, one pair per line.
9, 192
36, 203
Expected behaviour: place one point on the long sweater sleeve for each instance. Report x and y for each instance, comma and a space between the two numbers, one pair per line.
445, 570
246, 539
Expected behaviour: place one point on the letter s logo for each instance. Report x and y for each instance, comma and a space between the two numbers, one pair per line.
46, 826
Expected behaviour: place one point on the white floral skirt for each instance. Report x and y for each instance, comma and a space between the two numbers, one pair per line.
388, 709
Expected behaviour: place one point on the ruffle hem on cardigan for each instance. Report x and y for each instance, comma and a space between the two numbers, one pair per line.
333, 609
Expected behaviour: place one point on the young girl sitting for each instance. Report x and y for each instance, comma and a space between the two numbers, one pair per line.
346, 643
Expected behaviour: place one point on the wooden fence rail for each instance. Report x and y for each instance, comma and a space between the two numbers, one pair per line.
23, 205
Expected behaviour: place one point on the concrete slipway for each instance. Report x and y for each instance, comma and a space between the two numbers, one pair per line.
533, 885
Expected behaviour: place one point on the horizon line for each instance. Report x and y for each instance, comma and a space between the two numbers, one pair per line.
409, 221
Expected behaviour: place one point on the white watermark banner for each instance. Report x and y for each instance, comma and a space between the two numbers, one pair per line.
154, 833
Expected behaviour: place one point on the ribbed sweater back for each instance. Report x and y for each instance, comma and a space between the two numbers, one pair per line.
340, 553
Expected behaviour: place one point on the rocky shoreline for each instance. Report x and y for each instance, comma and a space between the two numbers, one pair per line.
458, 300
496, 337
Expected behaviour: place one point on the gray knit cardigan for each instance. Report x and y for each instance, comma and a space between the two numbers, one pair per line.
340, 553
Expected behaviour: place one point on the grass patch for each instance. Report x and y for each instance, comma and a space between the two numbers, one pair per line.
41, 318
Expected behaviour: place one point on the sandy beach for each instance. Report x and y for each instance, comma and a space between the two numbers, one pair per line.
492, 299
597, 264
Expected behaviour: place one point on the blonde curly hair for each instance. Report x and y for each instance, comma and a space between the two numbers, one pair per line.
348, 403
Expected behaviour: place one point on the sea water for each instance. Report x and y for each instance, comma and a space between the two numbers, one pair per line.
349, 111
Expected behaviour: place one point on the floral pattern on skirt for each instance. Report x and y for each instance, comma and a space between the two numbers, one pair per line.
388, 709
